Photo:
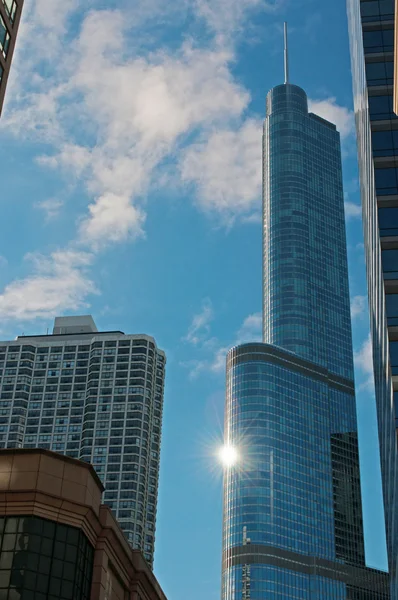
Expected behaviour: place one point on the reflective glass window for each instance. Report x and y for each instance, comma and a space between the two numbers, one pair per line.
388, 221
385, 143
392, 309
381, 40
389, 259
380, 73
380, 108
40, 559
386, 181
377, 10
394, 354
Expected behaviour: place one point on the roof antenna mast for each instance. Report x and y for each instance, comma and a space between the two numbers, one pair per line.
286, 54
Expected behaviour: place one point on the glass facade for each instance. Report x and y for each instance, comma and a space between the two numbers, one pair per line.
371, 25
292, 501
98, 398
43, 560
306, 307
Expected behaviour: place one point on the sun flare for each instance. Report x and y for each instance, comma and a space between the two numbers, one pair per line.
228, 455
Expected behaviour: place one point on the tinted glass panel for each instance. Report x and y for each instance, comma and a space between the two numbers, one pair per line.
380, 108
392, 309
380, 73
377, 10
394, 354
388, 221
389, 260
29, 567
385, 143
379, 41
386, 181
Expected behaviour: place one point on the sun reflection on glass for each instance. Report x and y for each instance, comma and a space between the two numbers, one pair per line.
228, 455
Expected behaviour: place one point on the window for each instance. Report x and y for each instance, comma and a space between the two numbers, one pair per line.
386, 182
388, 221
389, 259
379, 41
385, 143
380, 73
394, 357
44, 559
377, 10
392, 309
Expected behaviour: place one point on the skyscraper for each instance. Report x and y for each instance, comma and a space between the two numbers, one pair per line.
292, 501
371, 27
96, 396
10, 15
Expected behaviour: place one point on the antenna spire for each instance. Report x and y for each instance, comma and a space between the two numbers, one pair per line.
286, 54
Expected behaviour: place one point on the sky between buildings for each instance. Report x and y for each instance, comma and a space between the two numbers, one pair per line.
130, 170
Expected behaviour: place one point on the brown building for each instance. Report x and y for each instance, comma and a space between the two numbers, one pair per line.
10, 16
58, 542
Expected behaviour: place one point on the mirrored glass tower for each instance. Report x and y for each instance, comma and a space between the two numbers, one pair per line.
292, 501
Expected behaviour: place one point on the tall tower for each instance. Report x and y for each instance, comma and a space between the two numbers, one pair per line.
93, 395
292, 501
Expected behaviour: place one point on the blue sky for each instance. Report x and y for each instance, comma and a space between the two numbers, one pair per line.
130, 166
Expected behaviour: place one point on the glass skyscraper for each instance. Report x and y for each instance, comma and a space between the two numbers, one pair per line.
96, 396
371, 25
292, 502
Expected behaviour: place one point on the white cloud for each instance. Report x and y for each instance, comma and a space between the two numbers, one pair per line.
216, 352
227, 169
358, 306
116, 113
352, 210
341, 116
59, 283
51, 207
218, 362
227, 17
200, 327
111, 218
251, 330
136, 111
3, 261
363, 359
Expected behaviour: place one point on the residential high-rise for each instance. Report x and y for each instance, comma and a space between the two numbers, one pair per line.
96, 396
10, 15
371, 27
292, 501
